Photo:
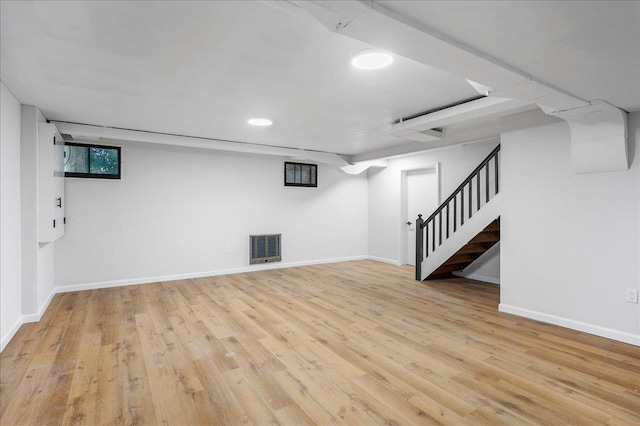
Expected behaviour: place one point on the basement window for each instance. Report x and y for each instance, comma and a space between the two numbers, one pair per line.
83, 160
300, 174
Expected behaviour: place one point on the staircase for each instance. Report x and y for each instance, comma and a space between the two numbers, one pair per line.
468, 253
464, 226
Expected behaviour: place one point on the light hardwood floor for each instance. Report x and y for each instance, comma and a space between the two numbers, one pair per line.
346, 343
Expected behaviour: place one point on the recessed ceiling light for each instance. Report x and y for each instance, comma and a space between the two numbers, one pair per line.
260, 122
371, 59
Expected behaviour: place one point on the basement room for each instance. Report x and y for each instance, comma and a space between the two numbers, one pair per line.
308, 212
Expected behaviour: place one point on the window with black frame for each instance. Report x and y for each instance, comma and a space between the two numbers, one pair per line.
300, 174
84, 160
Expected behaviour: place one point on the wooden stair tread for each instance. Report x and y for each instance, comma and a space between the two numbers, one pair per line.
462, 258
493, 226
450, 268
468, 253
472, 248
488, 237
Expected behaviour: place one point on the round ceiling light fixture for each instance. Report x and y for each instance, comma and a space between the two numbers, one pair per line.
371, 59
260, 122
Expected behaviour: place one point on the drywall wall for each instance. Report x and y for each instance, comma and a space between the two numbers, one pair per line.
485, 268
30, 116
386, 224
37, 259
569, 242
186, 211
10, 242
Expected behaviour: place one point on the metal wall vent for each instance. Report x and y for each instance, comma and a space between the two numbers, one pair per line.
265, 248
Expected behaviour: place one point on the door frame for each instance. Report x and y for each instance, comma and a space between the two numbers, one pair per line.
404, 201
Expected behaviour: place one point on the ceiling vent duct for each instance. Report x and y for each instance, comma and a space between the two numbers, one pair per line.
431, 111
430, 126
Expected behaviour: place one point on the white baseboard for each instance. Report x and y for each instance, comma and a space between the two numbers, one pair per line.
384, 260
609, 333
25, 319
147, 280
37, 316
9, 334
478, 277
540, 316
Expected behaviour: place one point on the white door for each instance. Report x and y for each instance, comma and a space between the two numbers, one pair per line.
422, 198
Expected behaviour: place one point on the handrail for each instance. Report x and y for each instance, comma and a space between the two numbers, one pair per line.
463, 184
422, 249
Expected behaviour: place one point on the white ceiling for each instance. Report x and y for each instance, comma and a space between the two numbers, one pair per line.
203, 68
589, 49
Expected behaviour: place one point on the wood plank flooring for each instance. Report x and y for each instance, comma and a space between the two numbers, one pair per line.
347, 343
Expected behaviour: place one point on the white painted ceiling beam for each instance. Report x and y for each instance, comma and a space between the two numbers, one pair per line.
95, 133
375, 24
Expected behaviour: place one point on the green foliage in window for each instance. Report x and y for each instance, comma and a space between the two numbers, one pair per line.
104, 161
91, 161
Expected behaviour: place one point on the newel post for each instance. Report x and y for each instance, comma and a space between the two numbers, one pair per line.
419, 253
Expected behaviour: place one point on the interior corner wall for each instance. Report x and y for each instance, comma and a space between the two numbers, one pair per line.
385, 222
569, 242
37, 260
10, 216
183, 212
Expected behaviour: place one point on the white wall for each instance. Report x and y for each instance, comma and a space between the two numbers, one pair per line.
569, 242
385, 222
176, 210
10, 221
485, 268
37, 259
